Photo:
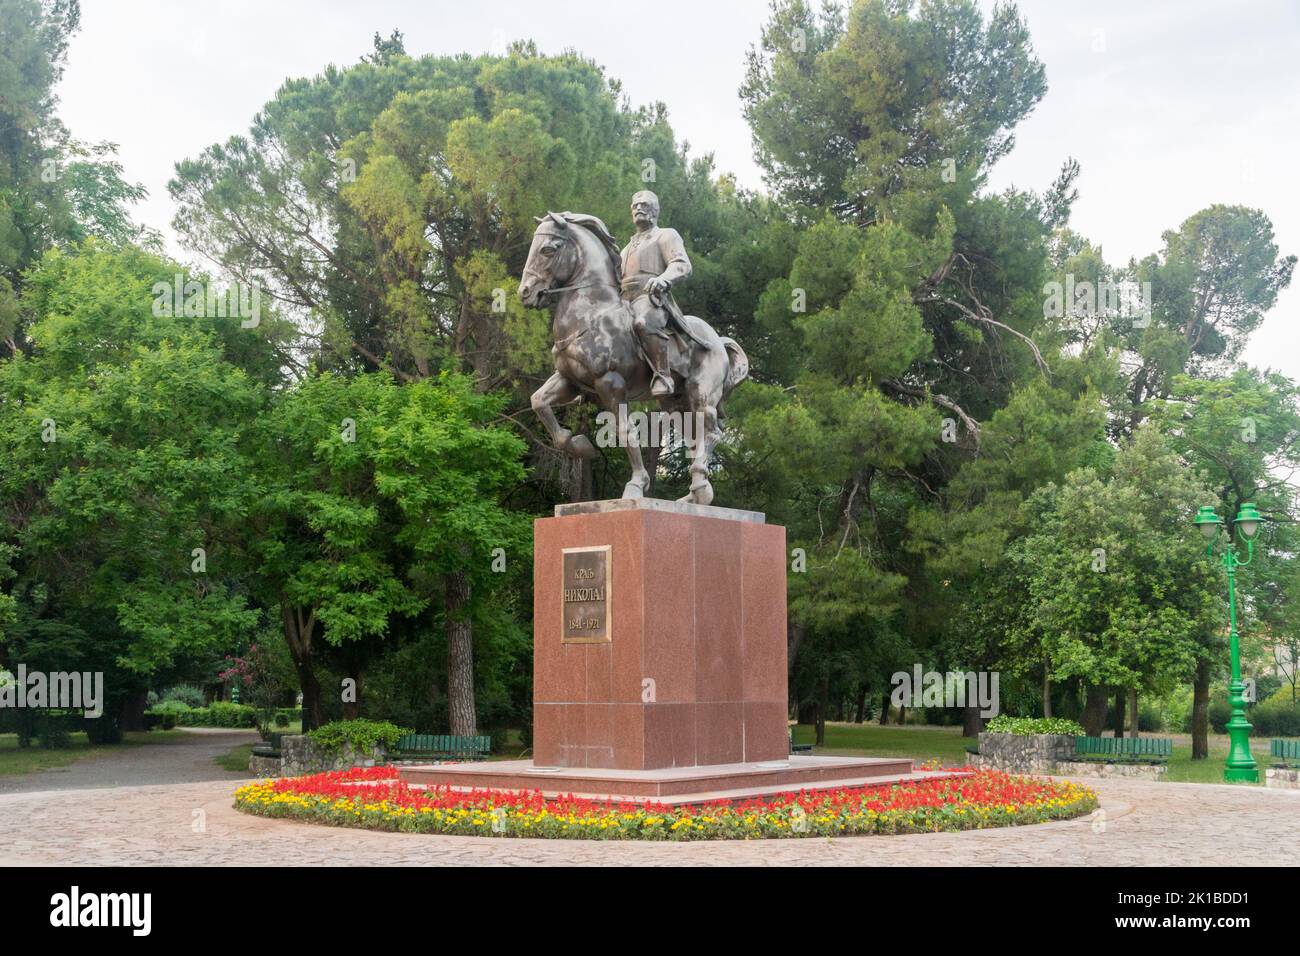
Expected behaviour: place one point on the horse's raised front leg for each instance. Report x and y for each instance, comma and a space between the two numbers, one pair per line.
611, 391
558, 390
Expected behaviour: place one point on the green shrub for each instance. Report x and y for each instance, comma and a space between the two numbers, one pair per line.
187, 694
221, 713
1026, 726
1220, 712
173, 707
56, 730
1178, 710
1277, 716
1151, 717
104, 729
361, 734
173, 713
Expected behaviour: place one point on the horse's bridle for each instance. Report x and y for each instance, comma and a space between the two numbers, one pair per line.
558, 289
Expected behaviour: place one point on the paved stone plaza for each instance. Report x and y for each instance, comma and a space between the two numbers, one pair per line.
1146, 824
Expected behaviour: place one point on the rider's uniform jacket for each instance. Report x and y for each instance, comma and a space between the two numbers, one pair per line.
655, 252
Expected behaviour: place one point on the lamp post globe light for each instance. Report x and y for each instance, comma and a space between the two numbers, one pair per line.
1240, 764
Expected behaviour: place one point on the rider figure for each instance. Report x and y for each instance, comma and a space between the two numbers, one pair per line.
653, 260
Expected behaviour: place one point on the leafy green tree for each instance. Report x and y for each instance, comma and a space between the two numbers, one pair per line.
912, 310
121, 452
54, 190
1210, 286
1242, 432
377, 500
854, 110
393, 200
1116, 575
1046, 430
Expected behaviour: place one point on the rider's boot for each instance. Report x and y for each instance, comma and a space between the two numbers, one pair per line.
656, 347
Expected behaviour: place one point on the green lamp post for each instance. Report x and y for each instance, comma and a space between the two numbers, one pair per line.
1240, 765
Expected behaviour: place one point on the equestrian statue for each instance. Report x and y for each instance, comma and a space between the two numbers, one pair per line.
620, 337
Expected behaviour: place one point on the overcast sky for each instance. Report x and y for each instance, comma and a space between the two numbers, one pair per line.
1169, 105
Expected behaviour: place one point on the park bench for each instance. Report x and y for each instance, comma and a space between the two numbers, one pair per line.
799, 748
1285, 752
440, 747
268, 748
1123, 749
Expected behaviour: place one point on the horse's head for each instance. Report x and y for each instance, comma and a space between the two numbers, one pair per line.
553, 259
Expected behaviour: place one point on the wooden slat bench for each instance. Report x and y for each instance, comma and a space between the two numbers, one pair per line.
1123, 749
799, 748
441, 747
268, 748
1285, 752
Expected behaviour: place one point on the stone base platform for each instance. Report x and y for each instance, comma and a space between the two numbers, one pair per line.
1282, 778
671, 786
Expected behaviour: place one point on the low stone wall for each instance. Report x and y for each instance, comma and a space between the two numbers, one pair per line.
299, 755
1015, 753
1090, 768
1050, 754
263, 766
1282, 779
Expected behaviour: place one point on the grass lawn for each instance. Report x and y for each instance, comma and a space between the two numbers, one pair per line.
1183, 769
236, 759
948, 746
20, 760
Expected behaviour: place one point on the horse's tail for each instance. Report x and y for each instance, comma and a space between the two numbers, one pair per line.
737, 364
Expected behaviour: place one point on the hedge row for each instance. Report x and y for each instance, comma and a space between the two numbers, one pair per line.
173, 713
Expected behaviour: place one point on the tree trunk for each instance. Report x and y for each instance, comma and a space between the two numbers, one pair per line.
1094, 711
1047, 688
313, 715
578, 478
133, 709
884, 709
823, 703
902, 716
352, 709
793, 639
1119, 714
972, 721
298, 632
650, 458
1201, 711
460, 658
1133, 729
860, 705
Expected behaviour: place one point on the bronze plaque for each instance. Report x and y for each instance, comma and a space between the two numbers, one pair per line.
585, 602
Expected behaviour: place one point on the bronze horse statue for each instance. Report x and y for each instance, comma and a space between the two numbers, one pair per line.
575, 260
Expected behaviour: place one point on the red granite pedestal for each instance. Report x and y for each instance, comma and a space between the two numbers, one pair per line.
659, 661
694, 669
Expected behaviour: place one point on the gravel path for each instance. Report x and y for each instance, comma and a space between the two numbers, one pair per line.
187, 760
1146, 824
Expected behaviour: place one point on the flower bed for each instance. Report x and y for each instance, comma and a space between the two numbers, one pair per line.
372, 798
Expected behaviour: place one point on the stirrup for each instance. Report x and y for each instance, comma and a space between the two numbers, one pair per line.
661, 385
